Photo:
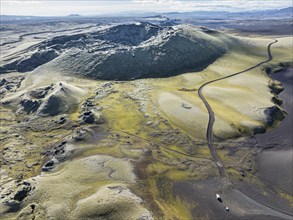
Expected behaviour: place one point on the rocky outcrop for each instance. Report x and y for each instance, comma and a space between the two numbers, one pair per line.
64, 98
40, 93
276, 87
13, 193
36, 60
30, 105
31, 62
170, 52
274, 113
10, 84
52, 100
32, 211
129, 34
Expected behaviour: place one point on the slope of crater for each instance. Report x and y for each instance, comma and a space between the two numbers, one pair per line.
128, 51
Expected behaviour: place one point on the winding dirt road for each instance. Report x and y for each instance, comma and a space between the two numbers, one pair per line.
209, 132
217, 160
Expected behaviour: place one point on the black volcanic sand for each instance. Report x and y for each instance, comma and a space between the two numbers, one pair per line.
202, 193
282, 136
276, 163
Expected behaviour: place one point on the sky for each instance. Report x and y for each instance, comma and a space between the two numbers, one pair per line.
100, 7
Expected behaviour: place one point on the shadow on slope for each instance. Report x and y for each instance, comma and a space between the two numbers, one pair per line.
128, 51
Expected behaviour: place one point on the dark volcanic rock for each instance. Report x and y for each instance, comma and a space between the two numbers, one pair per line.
61, 120
277, 100
40, 93
80, 135
88, 117
32, 211
92, 116
131, 34
58, 153
30, 105
276, 87
48, 166
274, 113
52, 106
23, 191
36, 60
259, 130
168, 55
30, 63
2, 82
130, 51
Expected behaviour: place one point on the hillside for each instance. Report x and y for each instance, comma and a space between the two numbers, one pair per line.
128, 51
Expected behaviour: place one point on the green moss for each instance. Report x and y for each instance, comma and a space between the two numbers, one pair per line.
204, 152
103, 150
178, 175
157, 168
224, 156
288, 197
172, 207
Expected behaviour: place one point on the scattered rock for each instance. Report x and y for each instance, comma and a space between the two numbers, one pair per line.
31, 212
186, 106
277, 100
155, 134
30, 63
242, 173
40, 93
87, 103
274, 113
88, 117
107, 85
58, 153
276, 87
48, 166
13, 193
258, 129
80, 135
156, 123
30, 106
61, 120
22, 191
92, 116
10, 84
2, 82
149, 123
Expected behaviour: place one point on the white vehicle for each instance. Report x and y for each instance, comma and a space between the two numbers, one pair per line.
218, 197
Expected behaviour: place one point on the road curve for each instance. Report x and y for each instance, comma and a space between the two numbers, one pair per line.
209, 132
209, 136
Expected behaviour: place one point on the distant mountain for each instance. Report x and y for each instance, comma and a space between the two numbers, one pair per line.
286, 10
263, 14
73, 15
266, 14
